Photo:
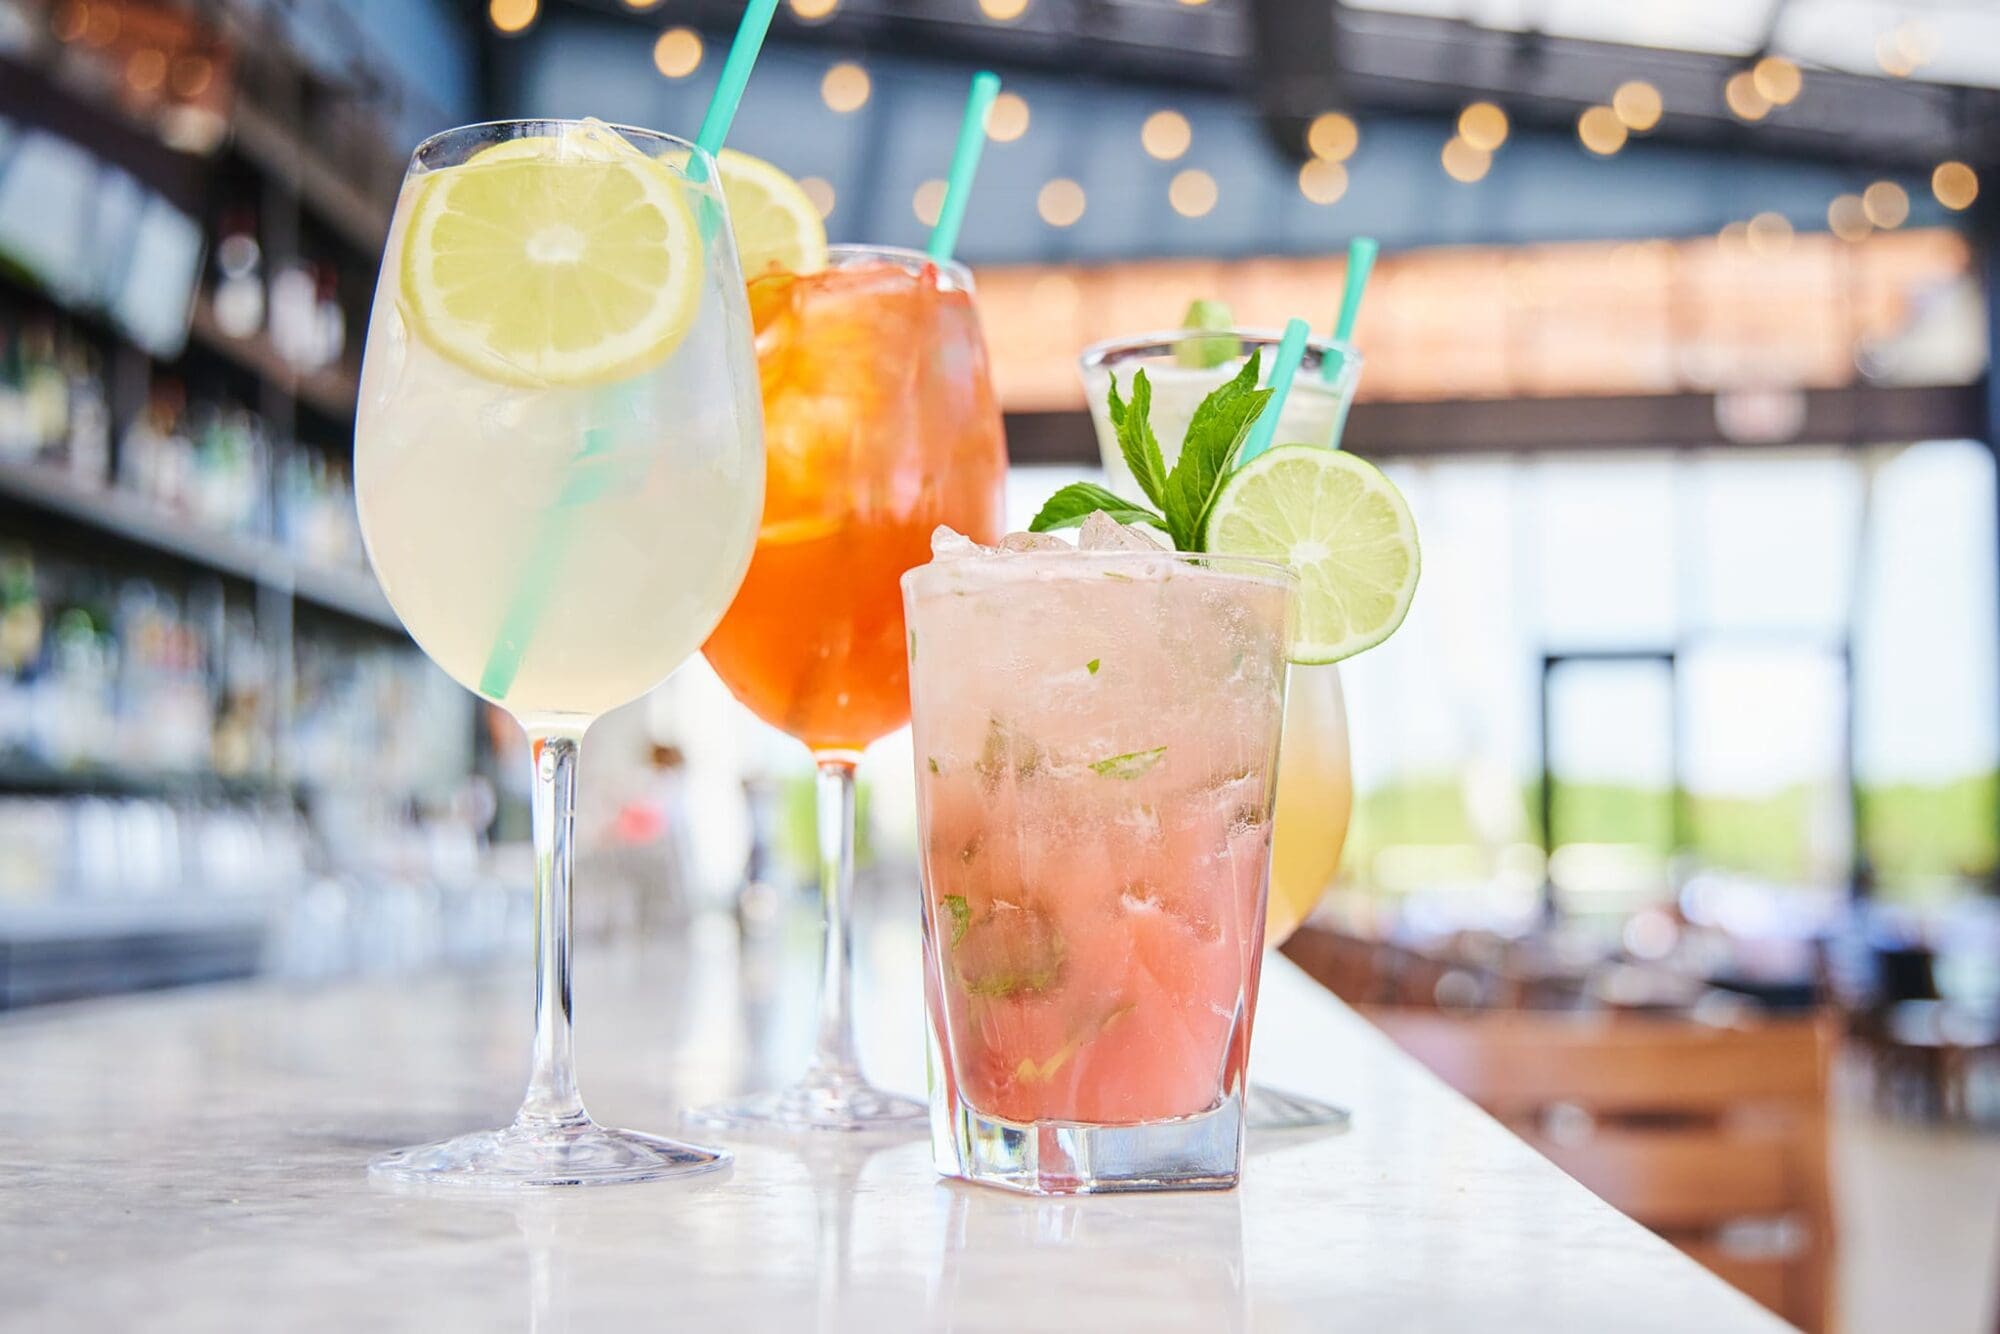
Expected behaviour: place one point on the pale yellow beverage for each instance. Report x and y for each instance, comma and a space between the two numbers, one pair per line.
603, 525
1315, 798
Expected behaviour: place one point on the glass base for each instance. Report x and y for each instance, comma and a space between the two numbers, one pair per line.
838, 1102
529, 1156
1266, 1108
1202, 1152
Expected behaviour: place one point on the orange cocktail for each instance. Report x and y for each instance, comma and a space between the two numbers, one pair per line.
879, 424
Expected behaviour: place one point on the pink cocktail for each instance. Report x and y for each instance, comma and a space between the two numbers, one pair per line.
1096, 741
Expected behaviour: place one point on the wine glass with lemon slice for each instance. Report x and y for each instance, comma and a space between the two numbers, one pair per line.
559, 466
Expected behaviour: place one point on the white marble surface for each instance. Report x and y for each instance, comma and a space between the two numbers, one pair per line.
194, 1162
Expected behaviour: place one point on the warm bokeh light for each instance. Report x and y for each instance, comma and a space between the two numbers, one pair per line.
1464, 163
146, 70
1847, 219
1003, 11
69, 21
845, 87
1322, 182
642, 4
1905, 49
1743, 97
1777, 79
1194, 4
192, 75
812, 10
1060, 202
1768, 233
1007, 118
1886, 203
928, 202
1192, 193
678, 52
1166, 135
1333, 136
512, 15
820, 191
1734, 235
1955, 185
1601, 131
1483, 125
1056, 296
1638, 105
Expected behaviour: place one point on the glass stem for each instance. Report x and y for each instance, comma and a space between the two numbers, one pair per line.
552, 1098
833, 1055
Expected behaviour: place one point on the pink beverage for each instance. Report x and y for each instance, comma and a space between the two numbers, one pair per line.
1096, 741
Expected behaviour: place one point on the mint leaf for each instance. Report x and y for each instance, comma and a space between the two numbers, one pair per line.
1079, 500
1214, 434
1130, 765
1092, 665
1134, 427
961, 915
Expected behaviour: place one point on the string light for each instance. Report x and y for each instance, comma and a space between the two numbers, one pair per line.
1886, 203
1777, 79
678, 52
1848, 218
820, 192
1601, 131
1955, 185
1744, 98
809, 10
845, 87
1192, 193
1003, 11
1768, 233
1060, 202
512, 15
1483, 125
928, 202
1334, 136
1638, 105
1322, 182
1166, 135
1464, 163
1007, 118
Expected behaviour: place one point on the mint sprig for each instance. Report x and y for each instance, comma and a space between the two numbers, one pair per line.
1185, 495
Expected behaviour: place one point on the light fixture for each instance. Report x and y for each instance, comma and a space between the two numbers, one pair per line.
1333, 136
820, 191
1886, 203
1003, 11
1955, 185
1192, 193
1483, 125
1166, 135
1464, 163
1638, 105
1768, 233
1744, 98
1601, 131
1322, 182
845, 87
1007, 118
1848, 218
928, 202
1060, 202
677, 53
1777, 79
512, 15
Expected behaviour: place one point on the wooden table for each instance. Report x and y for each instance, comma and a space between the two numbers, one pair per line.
193, 1161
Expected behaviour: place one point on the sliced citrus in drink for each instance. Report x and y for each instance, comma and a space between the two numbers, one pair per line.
541, 261
1342, 526
776, 226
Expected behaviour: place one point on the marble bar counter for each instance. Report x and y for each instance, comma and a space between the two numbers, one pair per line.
194, 1161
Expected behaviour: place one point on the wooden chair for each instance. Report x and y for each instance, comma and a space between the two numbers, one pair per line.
1692, 1130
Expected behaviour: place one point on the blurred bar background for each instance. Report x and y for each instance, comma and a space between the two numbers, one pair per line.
1679, 347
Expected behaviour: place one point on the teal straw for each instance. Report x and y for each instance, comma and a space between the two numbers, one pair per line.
1361, 252
964, 162
591, 473
1284, 364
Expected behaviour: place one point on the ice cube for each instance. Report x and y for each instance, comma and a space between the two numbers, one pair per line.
947, 543
1101, 532
1033, 542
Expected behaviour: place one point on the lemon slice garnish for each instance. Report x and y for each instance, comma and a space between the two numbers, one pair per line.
776, 226
553, 260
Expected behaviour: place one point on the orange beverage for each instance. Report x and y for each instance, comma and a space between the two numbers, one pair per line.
879, 424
